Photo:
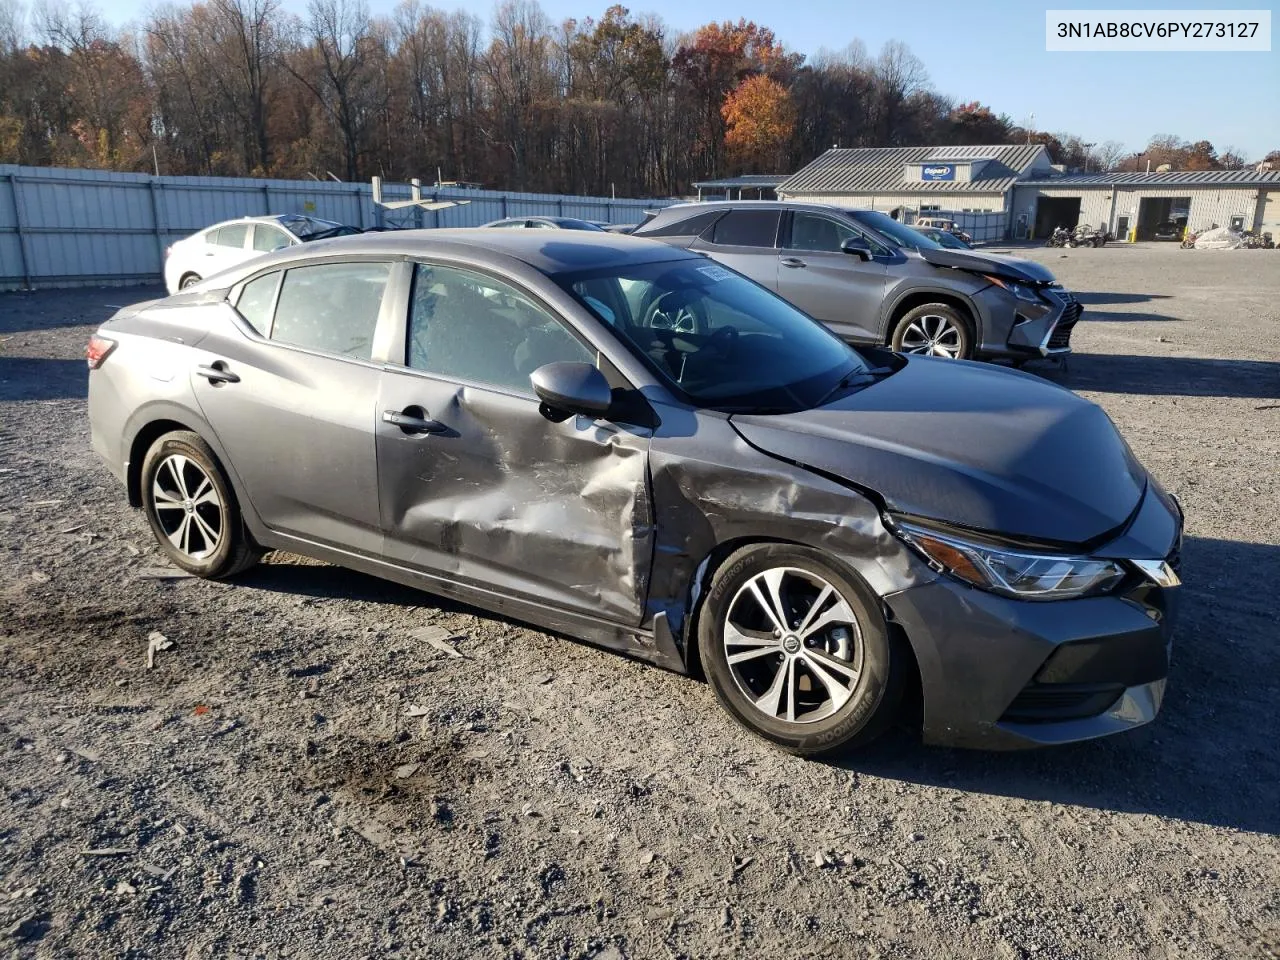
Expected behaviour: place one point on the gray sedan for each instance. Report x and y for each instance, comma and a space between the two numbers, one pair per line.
635, 445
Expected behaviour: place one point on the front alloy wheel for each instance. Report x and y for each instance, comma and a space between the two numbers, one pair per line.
793, 645
796, 649
935, 330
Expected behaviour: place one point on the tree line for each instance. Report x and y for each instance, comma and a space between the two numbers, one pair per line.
619, 103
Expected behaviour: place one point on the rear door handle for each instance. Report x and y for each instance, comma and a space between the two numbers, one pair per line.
413, 420
217, 372
793, 262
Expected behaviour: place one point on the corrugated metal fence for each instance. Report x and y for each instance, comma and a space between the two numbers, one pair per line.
982, 227
62, 227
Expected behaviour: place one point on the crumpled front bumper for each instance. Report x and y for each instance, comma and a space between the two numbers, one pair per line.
1045, 329
998, 673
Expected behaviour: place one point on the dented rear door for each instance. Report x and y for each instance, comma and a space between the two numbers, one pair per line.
499, 497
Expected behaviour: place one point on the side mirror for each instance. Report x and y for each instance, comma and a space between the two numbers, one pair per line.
858, 247
572, 387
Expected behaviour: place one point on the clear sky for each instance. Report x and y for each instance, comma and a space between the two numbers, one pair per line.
993, 51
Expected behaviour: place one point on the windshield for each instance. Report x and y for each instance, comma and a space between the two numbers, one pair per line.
891, 231
947, 240
717, 338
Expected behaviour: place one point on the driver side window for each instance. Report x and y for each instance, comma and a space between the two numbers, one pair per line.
469, 326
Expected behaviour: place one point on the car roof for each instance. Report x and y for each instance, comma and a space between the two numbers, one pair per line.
755, 204
559, 252
279, 219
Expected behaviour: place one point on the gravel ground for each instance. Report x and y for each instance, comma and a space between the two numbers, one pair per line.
300, 776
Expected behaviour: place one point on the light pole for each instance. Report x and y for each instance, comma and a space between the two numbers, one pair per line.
1088, 153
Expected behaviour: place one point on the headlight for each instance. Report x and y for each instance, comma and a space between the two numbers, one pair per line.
1019, 290
1013, 573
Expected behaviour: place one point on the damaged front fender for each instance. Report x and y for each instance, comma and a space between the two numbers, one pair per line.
719, 492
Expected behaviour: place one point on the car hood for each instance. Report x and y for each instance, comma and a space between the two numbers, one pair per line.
968, 444
1015, 268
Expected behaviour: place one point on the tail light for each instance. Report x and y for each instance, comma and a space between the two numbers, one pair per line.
97, 350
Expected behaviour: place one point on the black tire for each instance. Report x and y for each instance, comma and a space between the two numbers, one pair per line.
189, 280
234, 550
956, 317
873, 697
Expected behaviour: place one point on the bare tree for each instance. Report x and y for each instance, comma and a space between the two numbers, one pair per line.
1232, 158
898, 74
13, 25
345, 75
1108, 154
246, 36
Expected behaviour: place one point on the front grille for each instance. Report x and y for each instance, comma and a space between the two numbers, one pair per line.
1060, 339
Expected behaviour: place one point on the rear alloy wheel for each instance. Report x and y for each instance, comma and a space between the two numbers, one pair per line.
190, 280
935, 330
192, 510
797, 651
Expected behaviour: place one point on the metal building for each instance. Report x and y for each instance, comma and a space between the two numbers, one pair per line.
762, 187
1134, 205
1014, 192
921, 179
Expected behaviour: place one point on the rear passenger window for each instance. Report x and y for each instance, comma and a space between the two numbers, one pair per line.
231, 236
331, 307
747, 228
256, 298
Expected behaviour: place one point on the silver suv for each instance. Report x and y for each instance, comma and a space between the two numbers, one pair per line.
874, 280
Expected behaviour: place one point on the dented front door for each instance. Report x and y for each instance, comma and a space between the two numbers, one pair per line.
478, 486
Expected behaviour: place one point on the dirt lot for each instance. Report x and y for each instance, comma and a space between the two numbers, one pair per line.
270, 797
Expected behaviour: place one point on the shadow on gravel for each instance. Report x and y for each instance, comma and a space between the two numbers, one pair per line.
1209, 757
1092, 298
51, 309
325, 582
1168, 376
322, 581
1111, 316
40, 378
1087, 298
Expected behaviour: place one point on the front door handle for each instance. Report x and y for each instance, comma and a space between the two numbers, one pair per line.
217, 373
793, 262
413, 420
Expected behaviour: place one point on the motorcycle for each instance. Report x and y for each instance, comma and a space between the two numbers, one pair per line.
1189, 240
1086, 236
1058, 238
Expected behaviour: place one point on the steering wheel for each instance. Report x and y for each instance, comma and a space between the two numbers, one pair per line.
678, 317
722, 340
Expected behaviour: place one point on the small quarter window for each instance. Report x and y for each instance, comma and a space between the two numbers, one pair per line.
256, 298
688, 227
